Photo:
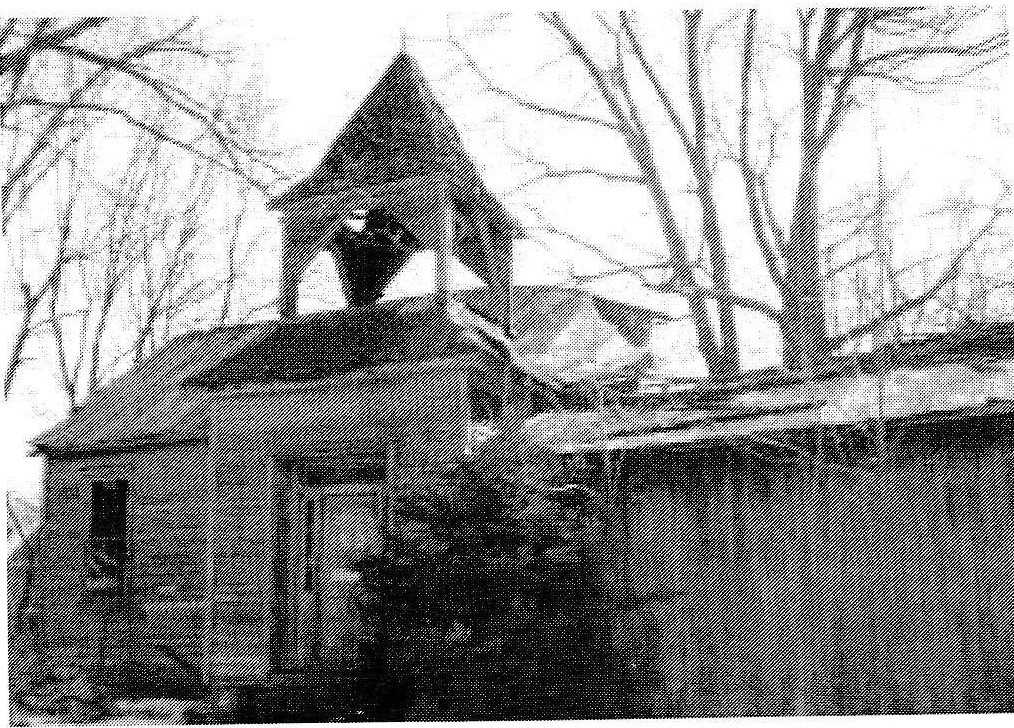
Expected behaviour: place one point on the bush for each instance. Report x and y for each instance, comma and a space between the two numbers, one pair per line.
496, 607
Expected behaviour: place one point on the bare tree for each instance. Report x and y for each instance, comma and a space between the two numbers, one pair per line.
839, 54
624, 117
68, 369
30, 303
838, 49
144, 272
120, 68
132, 249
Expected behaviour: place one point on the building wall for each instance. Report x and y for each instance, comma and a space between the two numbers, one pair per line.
204, 519
415, 416
166, 521
824, 586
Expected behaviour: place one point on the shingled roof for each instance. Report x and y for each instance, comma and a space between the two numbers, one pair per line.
400, 130
331, 343
148, 404
166, 398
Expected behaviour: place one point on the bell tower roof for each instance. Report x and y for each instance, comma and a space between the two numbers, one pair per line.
396, 180
399, 131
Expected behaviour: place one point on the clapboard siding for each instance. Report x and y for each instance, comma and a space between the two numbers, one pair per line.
415, 414
166, 553
203, 519
845, 587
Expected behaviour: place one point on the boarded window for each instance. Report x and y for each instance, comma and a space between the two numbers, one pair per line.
107, 535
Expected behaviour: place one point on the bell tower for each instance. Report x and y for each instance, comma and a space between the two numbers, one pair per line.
397, 180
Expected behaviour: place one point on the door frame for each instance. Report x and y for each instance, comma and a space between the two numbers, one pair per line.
344, 473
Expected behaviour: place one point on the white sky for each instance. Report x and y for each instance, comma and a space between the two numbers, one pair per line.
318, 65
951, 144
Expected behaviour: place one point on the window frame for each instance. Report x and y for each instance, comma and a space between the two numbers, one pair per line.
106, 542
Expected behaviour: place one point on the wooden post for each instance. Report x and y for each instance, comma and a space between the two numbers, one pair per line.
443, 250
288, 291
500, 263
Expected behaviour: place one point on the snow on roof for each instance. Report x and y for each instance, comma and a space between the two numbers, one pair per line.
958, 376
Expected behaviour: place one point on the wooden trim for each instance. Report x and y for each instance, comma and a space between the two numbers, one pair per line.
444, 251
116, 447
211, 499
281, 475
342, 196
381, 372
292, 489
116, 465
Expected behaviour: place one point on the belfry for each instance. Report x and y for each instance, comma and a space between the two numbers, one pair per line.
396, 180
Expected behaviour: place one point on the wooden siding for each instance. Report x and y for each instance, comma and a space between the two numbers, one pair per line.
823, 588
417, 415
166, 552
203, 518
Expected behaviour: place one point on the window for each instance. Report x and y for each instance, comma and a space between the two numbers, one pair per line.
107, 535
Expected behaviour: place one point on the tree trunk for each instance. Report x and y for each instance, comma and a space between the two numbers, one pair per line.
804, 319
728, 364
712, 354
727, 357
638, 143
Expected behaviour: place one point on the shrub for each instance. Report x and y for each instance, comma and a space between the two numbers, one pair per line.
497, 606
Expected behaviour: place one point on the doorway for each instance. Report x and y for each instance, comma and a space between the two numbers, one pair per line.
337, 516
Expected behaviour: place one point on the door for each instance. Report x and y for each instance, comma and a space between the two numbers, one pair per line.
335, 525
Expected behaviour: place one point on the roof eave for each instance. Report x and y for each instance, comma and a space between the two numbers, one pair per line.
105, 447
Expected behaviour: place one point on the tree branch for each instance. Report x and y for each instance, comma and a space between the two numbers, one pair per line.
492, 87
656, 83
31, 300
949, 274
156, 133
672, 284
836, 113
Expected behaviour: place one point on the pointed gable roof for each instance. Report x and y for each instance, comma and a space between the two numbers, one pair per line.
400, 130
